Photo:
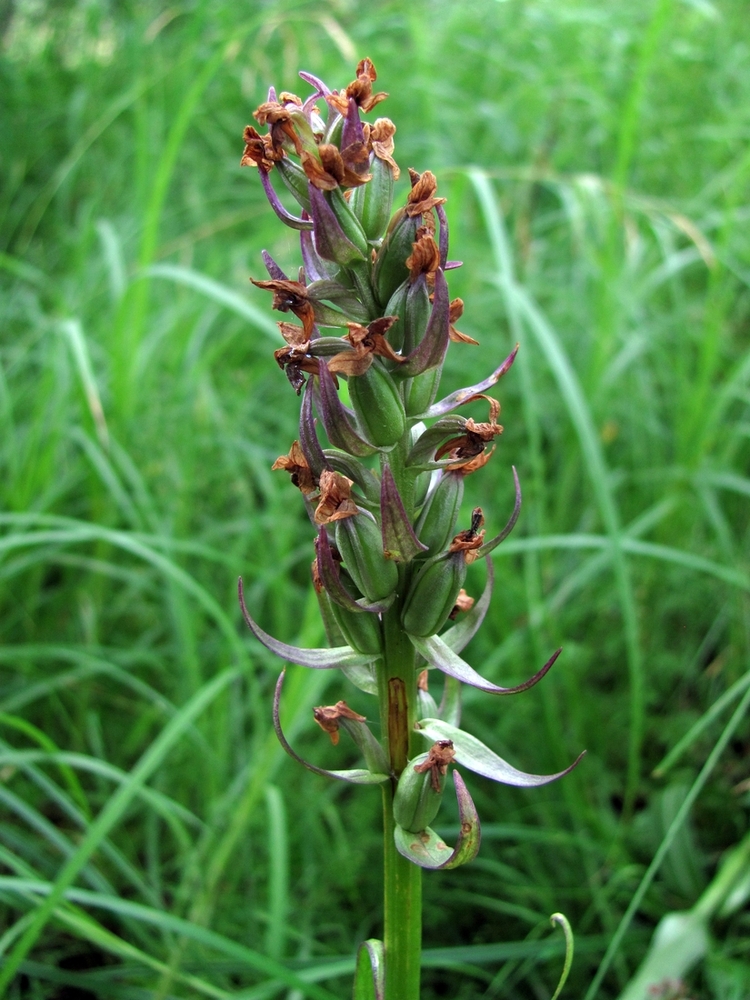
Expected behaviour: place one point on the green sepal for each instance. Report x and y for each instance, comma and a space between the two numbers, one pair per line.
369, 976
428, 850
368, 746
377, 403
295, 180
432, 595
360, 543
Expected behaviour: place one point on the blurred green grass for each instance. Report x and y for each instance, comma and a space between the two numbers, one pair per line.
595, 161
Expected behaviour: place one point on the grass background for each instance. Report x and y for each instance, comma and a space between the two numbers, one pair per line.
154, 840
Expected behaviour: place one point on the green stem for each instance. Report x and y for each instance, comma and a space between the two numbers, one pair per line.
402, 879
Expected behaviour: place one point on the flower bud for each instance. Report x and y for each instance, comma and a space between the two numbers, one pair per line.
433, 594
360, 542
377, 403
437, 523
420, 788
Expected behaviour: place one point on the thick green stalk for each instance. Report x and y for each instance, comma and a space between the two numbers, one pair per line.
402, 879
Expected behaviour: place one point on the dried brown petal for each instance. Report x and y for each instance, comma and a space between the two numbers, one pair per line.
335, 498
456, 311
424, 257
422, 680
440, 755
327, 717
379, 138
297, 466
259, 150
471, 539
280, 120
463, 603
421, 198
291, 296
360, 89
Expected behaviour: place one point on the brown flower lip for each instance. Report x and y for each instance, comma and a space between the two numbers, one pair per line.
327, 717
469, 448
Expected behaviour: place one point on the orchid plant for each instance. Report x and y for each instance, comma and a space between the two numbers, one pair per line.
384, 492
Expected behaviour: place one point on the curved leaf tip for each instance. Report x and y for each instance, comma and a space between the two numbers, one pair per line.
316, 659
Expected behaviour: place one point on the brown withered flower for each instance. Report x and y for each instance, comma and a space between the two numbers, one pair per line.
293, 362
440, 755
279, 118
424, 257
297, 466
456, 311
327, 717
259, 150
360, 89
291, 296
469, 448
471, 539
379, 139
333, 168
335, 498
421, 199
367, 342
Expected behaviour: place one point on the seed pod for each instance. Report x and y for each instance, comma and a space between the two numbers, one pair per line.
372, 202
361, 631
420, 788
377, 403
397, 307
360, 542
433, 594
417, 313
437, 523
390, 265
348, 221
421, 392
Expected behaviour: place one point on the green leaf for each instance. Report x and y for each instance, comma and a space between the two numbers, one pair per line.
472, 753
357, 776
369, 977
